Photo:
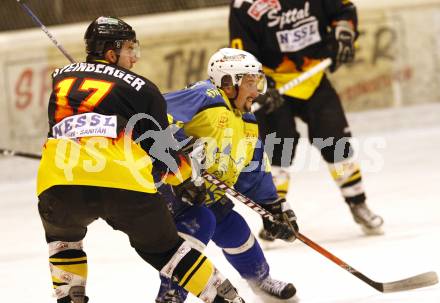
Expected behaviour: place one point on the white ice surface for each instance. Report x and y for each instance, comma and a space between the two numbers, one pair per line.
404, 190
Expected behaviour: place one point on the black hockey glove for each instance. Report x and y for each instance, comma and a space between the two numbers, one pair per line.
271, 100
341, 44
190, 193
286, 227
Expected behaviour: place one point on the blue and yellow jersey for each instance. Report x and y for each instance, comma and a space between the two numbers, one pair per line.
234, 150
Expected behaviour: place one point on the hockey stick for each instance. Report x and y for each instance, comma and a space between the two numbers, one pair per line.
306, 75
300, 79
44, 29
418, 281
10, 152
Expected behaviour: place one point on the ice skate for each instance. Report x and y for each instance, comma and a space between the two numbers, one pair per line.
76, 295
226, 293
275, 288
224, 300
370, 223
171, 296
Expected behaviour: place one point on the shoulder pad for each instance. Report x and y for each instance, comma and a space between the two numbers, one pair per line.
205, 88
186, 103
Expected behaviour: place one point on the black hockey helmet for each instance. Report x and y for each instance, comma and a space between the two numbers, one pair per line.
106, 33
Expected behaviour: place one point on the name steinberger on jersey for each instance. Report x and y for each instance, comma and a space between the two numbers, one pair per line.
104, 69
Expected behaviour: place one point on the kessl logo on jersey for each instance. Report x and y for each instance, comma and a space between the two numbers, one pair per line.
304, 28
86, 125
293, 40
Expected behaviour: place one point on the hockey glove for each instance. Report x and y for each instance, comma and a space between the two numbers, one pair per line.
272, 99
341, 44
286, 225
193, 191
190, 193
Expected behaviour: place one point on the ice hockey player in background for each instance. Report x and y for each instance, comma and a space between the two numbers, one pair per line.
289, 37
217, 111
86, 172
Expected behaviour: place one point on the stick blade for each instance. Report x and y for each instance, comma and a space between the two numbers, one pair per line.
422, 280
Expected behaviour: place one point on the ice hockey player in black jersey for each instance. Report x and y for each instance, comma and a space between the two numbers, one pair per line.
290, 37
97, 164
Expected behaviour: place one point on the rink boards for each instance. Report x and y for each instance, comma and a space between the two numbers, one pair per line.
397, 63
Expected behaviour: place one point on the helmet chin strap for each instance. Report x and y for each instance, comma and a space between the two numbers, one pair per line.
118, 47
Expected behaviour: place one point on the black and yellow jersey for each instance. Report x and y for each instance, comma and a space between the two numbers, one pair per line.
97, 114
287, 36
235, 153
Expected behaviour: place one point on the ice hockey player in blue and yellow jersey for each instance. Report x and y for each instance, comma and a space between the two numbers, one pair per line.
217, 112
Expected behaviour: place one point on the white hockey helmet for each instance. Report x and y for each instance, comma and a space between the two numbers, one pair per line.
235, 63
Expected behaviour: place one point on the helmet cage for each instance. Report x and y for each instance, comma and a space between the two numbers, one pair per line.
260, 81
